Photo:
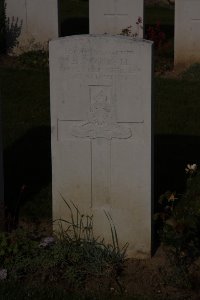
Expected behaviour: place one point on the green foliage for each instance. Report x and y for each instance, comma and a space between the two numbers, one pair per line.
27, 92
181, 226
167, 202
17, 291
128, 30
37, 208
86, 255
74, 255
2, 27
15, 248
192, 73
13, 31
177, 103
74, 9
165, 14
34, 59
163, 47
155, 34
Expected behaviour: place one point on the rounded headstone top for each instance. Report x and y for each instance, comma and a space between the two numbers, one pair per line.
101, 36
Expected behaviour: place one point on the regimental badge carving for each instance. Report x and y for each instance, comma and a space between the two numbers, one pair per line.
102, 121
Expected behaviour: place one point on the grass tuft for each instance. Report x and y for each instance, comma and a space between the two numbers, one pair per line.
192, 73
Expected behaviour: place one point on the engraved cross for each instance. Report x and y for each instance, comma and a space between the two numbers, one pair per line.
101, 127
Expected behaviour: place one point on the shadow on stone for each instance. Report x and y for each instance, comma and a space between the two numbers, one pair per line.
27, 164
27, 168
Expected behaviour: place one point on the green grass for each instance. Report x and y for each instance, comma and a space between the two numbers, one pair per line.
177, 107
26, 102
16, 291
73, 261
164, 15
26, 140
74, 9
39, 206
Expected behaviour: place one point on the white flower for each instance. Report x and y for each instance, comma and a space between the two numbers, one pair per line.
191, 168
3, 274
47, 241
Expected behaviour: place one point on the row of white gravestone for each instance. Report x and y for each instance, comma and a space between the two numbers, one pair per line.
113, 16
32, 23
100, 87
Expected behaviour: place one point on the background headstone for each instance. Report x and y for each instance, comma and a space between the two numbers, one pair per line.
187, 32
101, 133
32, 23
112, 16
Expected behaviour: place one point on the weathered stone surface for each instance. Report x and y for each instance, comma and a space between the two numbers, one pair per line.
36, 22
112, 16
100, 90
187, 32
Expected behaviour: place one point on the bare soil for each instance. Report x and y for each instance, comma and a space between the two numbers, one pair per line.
155, 278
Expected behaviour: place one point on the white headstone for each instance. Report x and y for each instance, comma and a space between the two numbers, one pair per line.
37, 21
187, 32
100, 90
112, 16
